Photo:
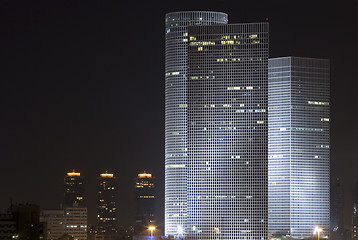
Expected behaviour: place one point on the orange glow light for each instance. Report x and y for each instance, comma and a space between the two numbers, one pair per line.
145, 175
74, 174
107, 175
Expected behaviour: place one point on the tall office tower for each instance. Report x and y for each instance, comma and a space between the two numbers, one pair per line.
299, 158
74, 189
355, 213
176, 43
227, 131
55, 221
337, 209
145, 199
76, 222
107, 204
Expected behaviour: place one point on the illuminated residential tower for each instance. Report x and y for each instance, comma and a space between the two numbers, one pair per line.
107, 204
224, 172
299, 147
145, 200
74, 189
74, 206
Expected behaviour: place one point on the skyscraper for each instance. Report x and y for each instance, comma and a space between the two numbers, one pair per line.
107, 204
75, 208
176, 43
299, 158
145, 199
224, 172
227, 131
74, 189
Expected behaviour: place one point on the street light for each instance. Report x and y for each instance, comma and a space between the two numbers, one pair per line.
151, 229
317, 230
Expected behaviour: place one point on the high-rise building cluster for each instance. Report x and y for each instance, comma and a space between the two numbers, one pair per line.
26, 221
246, 136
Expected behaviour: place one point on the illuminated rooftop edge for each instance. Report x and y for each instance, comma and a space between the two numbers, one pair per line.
145, 175
107, 175
73, 174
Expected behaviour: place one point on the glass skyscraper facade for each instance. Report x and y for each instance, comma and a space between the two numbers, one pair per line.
227, 131
176, 44
299, 141
216, 127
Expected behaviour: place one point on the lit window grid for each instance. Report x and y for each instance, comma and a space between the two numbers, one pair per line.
76, 222
175, 116
298, 156
227, 157
107, 205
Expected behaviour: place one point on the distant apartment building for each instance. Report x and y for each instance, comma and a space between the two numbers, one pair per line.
73, 189
22, 221
76, 222
8, 227
56, 223
107, 210
75, 207
145, 200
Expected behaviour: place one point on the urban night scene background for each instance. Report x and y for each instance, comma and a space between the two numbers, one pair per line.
83, 91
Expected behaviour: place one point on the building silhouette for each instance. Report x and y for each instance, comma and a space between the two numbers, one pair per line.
223, 194
299, 147
8, 227
145, 201
107, 204
22, 221
337, 210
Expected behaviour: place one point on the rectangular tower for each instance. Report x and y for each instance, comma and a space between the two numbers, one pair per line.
73, 190
107, 204
299, 158
145, 200
227, 131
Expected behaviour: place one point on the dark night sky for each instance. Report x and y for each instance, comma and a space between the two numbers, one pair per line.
82, 87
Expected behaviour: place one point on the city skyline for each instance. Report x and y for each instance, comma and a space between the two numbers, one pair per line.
69, 87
